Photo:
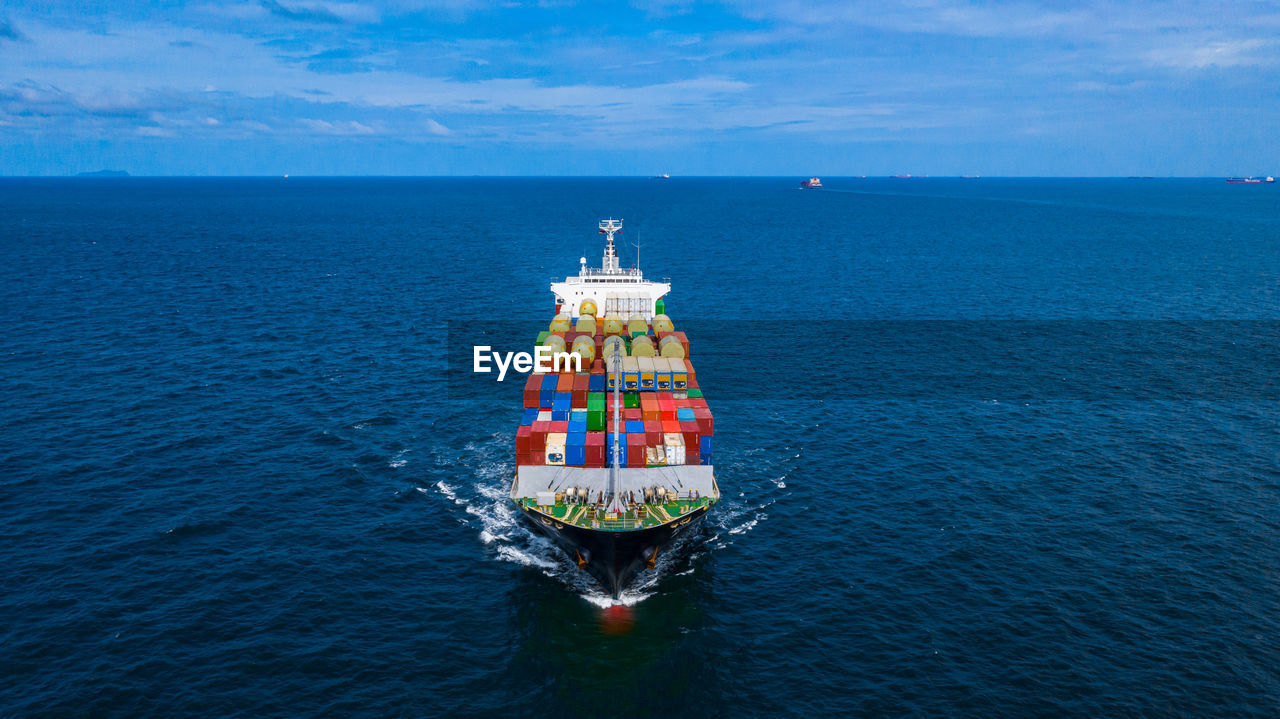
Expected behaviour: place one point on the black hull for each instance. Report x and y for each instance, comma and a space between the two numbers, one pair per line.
613, 558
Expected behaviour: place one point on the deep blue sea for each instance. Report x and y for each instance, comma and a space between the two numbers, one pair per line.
988, 448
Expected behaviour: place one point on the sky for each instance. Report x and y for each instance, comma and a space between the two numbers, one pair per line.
556, 87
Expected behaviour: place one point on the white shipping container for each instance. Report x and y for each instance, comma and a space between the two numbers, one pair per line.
555, 447
675, 454
674, 443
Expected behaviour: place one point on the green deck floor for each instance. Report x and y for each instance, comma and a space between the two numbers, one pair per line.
657, 514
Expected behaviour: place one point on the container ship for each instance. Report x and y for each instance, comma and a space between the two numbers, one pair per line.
613, 462
1250, 180
811, 183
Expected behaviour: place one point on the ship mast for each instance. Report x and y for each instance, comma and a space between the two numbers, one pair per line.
608, 228
615, 498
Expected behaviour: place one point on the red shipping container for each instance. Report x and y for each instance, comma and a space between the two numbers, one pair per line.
706, 425
541, 426
692, 447
686, 426
597, 367
693, 383
537, 441
697, 402
537, 458
670, 425
561, 426
580, 390
632, 413
532, 386
522, 440
683, 403
636, 456
523, 460
565, 383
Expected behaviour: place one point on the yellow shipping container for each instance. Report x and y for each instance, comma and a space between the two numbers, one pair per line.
585, 348
642, 346
607, 349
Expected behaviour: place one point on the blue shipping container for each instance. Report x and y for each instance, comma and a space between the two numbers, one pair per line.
578, 415
529, 416
575, 455
579, 426
635, 426
560, 410
684, 413
597, 383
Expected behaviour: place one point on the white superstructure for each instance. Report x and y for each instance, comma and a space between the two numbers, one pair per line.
613, 289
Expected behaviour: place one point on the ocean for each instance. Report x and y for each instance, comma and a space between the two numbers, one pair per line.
988, 447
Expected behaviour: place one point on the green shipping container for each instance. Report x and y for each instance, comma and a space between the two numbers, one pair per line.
695, 394
595, 420
661, 307
630, 400
542, 336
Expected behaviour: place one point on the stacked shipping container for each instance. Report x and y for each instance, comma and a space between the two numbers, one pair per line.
568, 417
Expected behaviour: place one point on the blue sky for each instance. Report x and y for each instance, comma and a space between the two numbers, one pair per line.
555, 87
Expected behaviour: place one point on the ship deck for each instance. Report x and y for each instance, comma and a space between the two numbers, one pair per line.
655, 514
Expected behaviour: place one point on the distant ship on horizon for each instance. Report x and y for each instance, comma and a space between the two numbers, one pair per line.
1250, 180
812, 183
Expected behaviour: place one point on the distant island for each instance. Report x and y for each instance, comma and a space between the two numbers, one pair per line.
103, 173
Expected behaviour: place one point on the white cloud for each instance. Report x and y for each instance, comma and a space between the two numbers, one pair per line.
1227, 53
324, 127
